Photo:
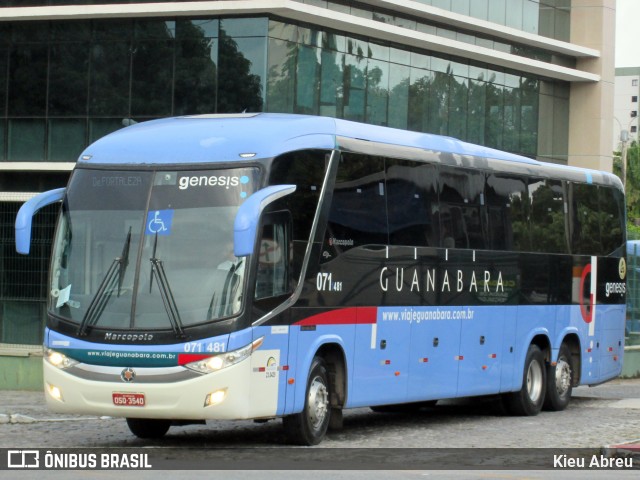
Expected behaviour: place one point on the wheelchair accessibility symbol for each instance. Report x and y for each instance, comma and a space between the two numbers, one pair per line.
159, 222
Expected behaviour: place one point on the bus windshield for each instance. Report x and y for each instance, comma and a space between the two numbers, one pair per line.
149, 250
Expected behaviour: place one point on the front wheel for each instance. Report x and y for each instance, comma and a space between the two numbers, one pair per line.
559, 382
310, 426
148, 427
528, 401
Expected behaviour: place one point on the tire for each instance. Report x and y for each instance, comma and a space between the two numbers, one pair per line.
310, 426
529, 400
559, 382
148, 428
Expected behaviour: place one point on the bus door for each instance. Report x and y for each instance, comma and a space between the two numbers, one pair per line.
272, 288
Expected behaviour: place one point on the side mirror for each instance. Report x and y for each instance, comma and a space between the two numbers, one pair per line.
248, 216
26, 213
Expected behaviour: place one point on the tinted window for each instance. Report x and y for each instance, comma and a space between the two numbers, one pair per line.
613, 219
272, 271
357, 215
412, 202
547, 216
507, 204
461, 214
585, 219
305, 169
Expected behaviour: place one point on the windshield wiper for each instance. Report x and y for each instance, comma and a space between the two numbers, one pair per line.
168, 300
124, 261
113, 277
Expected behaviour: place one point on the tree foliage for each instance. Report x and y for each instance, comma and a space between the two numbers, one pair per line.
632, 187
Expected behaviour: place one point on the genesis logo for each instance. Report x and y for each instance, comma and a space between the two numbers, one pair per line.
212, 181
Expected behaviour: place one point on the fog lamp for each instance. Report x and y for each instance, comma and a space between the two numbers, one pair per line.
54, 392
215, 398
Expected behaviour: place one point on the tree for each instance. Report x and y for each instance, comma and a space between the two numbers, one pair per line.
238, 89
632, 187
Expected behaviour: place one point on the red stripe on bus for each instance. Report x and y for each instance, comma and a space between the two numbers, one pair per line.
367, 314
184, 358
342, 316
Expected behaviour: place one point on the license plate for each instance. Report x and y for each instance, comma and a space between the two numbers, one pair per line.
128, 399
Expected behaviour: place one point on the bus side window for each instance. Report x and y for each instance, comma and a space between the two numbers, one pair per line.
508, 213
306, 170
612, 216
547, 216
272, 273
412, 199
462, 211
585, 221
357, 216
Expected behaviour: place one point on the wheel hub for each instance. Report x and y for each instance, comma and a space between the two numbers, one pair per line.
534, 381
563, 377
318, 402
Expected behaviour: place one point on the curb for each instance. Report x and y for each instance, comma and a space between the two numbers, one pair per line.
624, 450
23, 419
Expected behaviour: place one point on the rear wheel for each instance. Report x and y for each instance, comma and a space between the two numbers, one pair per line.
559, 382
528, 401
148, 427
310, 426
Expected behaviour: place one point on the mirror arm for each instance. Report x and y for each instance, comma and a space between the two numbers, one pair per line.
26, 213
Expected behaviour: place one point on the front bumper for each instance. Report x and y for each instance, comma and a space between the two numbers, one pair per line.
184, 400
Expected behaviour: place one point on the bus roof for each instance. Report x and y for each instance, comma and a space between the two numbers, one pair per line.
239, 137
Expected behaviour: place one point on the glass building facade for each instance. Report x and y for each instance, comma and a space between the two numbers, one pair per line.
66, 82
548, 18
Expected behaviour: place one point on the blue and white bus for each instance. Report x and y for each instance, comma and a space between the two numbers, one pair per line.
261, 266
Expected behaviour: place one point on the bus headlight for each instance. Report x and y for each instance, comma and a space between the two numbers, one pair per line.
58, 359
224, 360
